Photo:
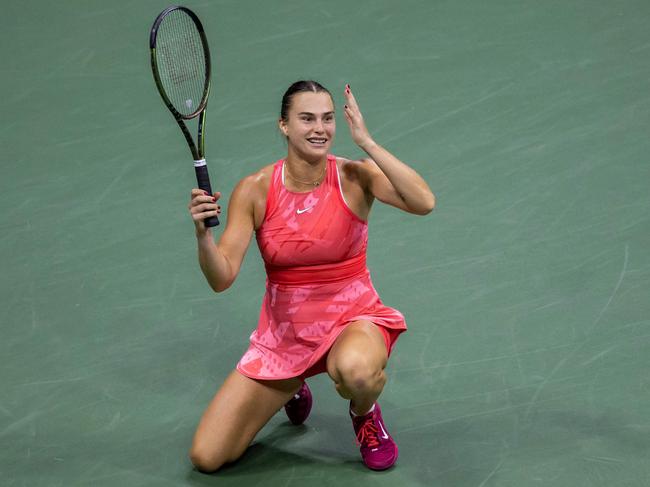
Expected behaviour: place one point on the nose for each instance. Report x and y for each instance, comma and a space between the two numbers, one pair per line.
318, 126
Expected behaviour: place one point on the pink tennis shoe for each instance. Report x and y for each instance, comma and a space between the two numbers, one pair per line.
299, 406
378, 450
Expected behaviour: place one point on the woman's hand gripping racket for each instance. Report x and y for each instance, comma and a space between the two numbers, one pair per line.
180, 60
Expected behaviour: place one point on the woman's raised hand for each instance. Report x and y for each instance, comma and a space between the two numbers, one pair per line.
203, 206
353, 116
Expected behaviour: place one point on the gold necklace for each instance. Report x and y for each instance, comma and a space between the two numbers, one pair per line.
316, 182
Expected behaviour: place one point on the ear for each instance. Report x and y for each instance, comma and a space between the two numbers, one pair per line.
283, 127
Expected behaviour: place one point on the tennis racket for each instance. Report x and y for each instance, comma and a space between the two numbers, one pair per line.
180, 60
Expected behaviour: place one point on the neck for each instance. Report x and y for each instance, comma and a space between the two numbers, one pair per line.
304, 171
304, 167
300, 159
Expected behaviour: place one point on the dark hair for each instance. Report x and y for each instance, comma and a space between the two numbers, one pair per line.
300, 87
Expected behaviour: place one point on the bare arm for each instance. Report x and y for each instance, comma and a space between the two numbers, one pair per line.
220, 262
386, 177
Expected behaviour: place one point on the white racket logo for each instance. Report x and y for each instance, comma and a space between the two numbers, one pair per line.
188, 103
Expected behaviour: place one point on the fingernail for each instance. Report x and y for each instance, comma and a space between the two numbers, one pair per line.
345, 106
206, 193
214, 198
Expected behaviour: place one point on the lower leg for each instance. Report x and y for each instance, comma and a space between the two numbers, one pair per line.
362, 392
356, 364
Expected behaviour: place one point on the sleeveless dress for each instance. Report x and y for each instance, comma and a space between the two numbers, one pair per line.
314, 251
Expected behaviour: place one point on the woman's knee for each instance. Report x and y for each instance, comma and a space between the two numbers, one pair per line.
357, 373
209, 460
204, 462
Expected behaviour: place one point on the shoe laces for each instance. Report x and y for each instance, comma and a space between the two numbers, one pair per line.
368, 434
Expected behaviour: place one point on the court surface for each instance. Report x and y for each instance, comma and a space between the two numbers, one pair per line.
526, 290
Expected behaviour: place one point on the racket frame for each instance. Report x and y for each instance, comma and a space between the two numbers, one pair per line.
197, 149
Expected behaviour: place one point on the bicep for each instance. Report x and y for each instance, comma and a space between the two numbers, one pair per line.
380, 187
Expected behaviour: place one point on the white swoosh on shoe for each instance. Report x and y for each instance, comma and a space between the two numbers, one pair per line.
384, 435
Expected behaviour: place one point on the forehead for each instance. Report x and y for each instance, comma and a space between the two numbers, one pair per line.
320, 102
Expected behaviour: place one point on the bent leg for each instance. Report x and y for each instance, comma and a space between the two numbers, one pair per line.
238, 411
356, 364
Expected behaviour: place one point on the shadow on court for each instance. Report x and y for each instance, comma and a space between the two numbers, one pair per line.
281, 453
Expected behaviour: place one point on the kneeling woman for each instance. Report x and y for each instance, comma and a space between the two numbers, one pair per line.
320, 313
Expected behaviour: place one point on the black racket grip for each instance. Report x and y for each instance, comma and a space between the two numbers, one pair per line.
203, 179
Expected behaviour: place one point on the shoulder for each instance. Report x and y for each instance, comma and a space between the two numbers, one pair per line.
251, 191
357, 166
356, 170
255, 184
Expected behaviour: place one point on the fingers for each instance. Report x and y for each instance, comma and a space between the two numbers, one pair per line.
350, 100
351, 108
347, 115
199, 217
203, 206
354, 118
196, 192
199, 196
199, 214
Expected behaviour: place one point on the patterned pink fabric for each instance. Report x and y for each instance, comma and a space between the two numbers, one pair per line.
314, 250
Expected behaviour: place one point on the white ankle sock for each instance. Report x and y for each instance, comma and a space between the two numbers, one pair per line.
369, 411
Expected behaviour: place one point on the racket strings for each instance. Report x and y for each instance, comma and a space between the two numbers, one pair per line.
182, 62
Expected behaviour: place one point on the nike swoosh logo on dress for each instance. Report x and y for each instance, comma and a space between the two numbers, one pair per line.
303, 210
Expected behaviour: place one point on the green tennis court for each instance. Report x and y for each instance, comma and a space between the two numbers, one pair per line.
526, 291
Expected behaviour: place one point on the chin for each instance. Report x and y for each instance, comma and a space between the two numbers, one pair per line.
312, 152
325, 148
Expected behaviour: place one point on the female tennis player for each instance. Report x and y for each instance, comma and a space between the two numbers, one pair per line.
320, 313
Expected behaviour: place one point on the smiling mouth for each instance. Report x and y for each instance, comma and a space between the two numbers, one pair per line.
318, 141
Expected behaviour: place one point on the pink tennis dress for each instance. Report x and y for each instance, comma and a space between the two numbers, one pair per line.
314, 251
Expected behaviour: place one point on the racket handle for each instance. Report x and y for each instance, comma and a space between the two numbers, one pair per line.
203, 179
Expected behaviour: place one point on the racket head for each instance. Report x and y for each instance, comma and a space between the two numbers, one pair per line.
180, 61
